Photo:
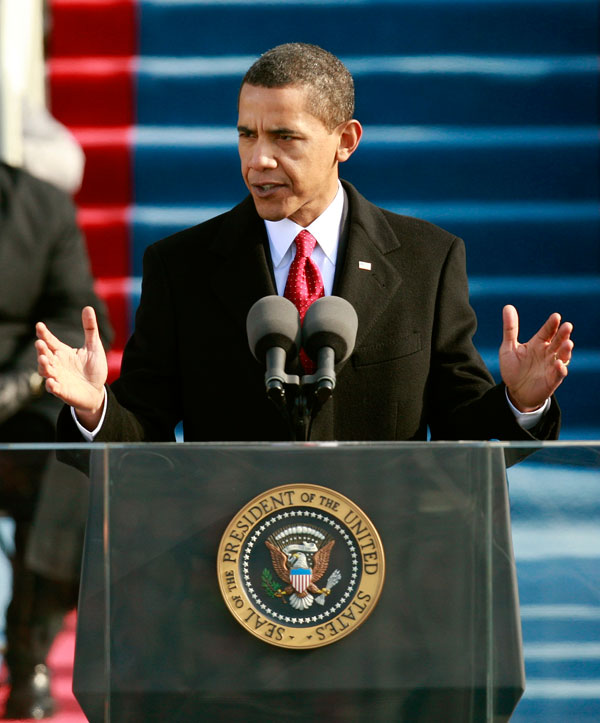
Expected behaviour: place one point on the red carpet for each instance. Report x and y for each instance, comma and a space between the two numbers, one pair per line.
61, 663
91, 71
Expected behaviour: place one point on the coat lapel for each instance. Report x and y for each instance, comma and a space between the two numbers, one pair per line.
368, 280
243, 273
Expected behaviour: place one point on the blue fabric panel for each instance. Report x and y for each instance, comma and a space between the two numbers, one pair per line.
172, 167
440, 90
408, 27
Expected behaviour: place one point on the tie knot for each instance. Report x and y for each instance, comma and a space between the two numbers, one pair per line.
305, 243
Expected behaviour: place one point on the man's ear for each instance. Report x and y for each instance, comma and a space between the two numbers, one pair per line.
350, 135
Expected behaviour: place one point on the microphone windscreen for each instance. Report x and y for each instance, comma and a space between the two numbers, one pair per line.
330, 321
273, 321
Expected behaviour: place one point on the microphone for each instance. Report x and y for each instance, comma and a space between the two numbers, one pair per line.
274, 335
328, 337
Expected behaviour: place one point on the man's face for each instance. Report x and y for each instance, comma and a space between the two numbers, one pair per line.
289, 158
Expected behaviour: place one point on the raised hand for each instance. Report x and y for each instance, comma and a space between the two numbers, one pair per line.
77, 376
533, 371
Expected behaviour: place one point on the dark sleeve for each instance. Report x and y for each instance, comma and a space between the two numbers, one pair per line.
120, 425
465, 403
48, 279
68, 284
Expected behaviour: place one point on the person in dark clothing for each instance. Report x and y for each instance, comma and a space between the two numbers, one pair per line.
44, 272
414, 367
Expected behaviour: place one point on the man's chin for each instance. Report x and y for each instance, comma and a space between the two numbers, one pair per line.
268, 212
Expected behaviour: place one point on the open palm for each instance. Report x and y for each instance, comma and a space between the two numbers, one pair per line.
533, 371
77, 376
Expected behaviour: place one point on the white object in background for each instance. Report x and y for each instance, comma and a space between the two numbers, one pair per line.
21, 71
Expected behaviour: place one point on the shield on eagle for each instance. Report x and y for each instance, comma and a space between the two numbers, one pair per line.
300, 578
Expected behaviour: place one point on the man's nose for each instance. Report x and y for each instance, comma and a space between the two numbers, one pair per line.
263, 156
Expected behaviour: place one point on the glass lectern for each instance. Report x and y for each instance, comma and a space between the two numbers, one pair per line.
157, 641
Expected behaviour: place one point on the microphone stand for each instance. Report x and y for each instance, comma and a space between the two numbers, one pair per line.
324, 377
315, 389
299, 400
280, 387
295, 406
301, 416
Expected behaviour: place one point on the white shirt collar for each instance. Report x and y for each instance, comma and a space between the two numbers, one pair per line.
325, 228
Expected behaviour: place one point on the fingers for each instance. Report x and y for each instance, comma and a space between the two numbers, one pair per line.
560, 350
90, 327
42, 332
45, 358
548, 331
510, 322
42, 356
53, 387
562, 346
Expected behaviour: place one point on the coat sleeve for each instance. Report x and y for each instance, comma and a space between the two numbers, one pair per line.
69, 286
465, 403
52, 285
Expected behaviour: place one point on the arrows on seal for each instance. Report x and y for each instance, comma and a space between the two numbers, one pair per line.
333, 580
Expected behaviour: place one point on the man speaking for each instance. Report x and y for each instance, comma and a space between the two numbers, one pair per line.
302, 233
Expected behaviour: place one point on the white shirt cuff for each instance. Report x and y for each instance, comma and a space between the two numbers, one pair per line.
86, 434
527, 420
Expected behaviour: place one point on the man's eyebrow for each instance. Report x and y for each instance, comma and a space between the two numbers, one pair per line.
283, 132
272, 131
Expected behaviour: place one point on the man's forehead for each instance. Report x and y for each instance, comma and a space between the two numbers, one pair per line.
285, 96
288, 102
303, 87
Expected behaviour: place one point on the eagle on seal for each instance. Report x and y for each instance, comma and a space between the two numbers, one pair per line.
292, 565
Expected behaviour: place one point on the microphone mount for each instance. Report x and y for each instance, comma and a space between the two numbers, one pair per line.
275, 335
323, 379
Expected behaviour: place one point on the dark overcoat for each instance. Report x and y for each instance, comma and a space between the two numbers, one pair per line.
414, 365
44, 276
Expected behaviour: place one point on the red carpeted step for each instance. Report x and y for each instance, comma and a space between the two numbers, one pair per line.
108, 173
115, 294
60, 661
106, 230
93, 27
92, 46
95, 91
114, 364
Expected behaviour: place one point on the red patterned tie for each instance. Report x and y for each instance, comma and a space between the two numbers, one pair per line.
304, 283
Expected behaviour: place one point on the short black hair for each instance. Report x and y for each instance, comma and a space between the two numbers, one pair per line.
331, 99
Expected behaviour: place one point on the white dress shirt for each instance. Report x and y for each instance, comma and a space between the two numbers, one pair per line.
326, 229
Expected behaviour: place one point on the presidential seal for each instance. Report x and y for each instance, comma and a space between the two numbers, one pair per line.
300, 566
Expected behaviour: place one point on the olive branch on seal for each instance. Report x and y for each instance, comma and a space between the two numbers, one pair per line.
270, 586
